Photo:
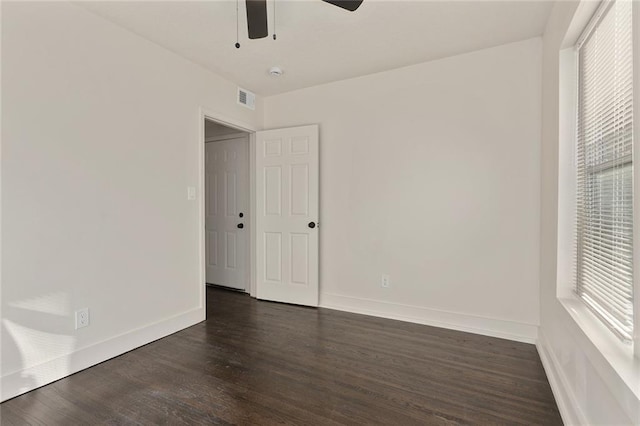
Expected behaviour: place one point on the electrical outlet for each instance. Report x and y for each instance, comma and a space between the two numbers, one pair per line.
191, 193
385, 282
82, 318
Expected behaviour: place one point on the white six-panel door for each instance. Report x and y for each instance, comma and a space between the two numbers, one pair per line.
226, 198
287, 215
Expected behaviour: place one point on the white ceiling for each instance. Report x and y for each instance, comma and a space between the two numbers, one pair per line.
317, 42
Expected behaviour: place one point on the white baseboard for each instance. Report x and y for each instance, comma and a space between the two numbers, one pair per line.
31, 378
567, 405
504, 329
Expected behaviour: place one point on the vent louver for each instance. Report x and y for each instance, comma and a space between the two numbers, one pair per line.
246, 98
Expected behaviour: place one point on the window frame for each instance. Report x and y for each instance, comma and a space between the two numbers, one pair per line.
616, 363
589, 172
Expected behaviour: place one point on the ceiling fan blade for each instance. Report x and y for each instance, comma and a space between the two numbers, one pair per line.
257, 18
349, 5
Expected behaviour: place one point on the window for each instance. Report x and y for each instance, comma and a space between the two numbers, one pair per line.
604, 256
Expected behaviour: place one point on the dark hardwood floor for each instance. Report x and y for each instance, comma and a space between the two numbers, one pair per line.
266, 363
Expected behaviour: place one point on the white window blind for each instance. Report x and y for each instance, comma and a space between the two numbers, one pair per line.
604, 278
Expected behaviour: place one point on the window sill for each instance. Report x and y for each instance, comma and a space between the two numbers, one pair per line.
619, 356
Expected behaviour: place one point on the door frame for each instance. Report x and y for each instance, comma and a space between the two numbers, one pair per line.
206, 114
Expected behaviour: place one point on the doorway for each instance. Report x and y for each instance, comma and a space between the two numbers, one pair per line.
227, 206
259, 209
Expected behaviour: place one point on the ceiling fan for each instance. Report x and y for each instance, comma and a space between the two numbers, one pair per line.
257, 14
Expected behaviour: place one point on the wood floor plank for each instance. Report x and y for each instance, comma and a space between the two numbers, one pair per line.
262, 363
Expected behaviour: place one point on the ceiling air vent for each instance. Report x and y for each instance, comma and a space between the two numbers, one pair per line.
246, 98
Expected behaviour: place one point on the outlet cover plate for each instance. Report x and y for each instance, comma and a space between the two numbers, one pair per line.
385, 281
82, 318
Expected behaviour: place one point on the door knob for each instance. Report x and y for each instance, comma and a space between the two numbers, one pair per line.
312, 225
241, 225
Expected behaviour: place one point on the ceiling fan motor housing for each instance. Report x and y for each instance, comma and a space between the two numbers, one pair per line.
257, 15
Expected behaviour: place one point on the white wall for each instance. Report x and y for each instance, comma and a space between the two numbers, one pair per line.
430, 173
586, 385
100, 139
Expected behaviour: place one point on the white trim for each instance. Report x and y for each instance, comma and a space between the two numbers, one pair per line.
602, 9
635, 19
566, 400
63, 366
252, 217
202, 253
598, 15
245, 128
582, 16
567, 172
1, 257
226, 137
503, 329
227, 121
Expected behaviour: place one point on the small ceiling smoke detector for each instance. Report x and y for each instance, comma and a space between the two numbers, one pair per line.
275, 71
